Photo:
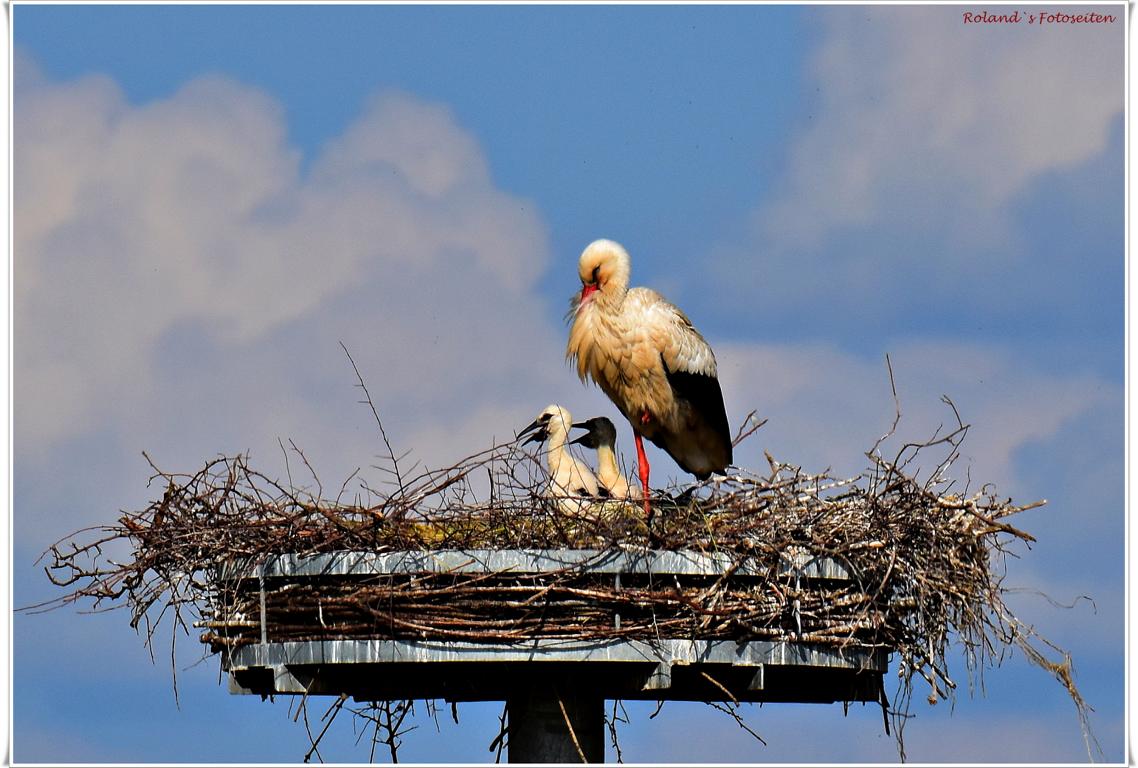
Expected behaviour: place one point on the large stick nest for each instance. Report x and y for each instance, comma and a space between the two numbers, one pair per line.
928, 561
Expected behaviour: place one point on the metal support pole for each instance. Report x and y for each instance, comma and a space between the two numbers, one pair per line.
552, 726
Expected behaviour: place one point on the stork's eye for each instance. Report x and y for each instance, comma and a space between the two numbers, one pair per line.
596, 274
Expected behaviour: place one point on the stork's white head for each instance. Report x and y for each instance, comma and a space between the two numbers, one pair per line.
553, 421
604, 266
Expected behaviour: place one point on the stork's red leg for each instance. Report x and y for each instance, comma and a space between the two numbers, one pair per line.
642, 465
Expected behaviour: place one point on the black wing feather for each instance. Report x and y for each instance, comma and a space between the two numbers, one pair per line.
705, 397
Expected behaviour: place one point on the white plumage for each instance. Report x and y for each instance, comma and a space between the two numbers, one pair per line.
652, 363
571, 482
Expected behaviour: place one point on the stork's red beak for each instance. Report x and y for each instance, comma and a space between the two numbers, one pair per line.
587, 291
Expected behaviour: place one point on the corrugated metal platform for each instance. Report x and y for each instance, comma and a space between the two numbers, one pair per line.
656, 669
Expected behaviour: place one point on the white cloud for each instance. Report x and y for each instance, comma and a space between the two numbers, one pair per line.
923, 120
135, 221
417, 142
826, 407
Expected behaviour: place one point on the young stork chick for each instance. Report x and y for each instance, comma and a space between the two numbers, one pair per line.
571, 481
647, 357
601, 437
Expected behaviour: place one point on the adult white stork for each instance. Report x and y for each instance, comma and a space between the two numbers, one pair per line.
601, 437
571, 482
653, 364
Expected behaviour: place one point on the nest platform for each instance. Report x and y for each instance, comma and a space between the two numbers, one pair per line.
306, 624
469, 583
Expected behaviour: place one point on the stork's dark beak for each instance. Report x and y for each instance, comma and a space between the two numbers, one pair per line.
537, 436
588, 439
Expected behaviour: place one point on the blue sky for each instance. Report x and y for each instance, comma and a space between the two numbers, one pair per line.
207, 199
